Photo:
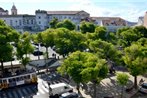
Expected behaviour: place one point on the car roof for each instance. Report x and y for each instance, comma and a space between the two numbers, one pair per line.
68, 94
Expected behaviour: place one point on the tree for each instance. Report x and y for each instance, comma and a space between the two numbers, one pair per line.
127, 36
142, 30
87, 27
66, 24
136, 60
48, 39
68, 41
24, 47
53, 23
73, 66
122, 79
95, 70
100, 33
7, 35
84, 67
106, 51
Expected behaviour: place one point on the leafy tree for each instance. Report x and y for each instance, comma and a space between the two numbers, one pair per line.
53, 23
84, 67
95, 70
142, 30
68, 41
100, 33
73, 66
48, 39
136, 60
129, 35
87, 27
7, 35
122, 79
24, 47
106, 51
66, 24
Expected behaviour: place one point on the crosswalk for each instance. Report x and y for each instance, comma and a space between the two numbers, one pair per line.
27, 91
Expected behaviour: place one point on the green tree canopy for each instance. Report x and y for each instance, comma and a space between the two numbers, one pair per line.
87, 27
84, 67
53, 23
106, 51
122, 79
7, 35
68, 41
136, 60
66, 24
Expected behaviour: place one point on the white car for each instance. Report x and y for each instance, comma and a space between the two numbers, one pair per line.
143, 88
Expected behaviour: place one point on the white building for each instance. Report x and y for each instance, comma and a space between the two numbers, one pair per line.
44, 17
41, 19
3, 12
111, 23
140, 21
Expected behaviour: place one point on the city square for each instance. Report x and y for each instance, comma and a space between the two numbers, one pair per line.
73, 49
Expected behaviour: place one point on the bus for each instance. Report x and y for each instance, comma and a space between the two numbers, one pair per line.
26, 77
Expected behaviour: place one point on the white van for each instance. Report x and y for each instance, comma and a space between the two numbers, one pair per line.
60, 88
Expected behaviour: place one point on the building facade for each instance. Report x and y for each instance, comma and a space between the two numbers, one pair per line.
41, 19
145, 20
44, 17
3, 12
111, 23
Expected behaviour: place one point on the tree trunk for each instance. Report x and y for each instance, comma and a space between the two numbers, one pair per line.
135, 82
122, 91
94, 87
78, 88
47, 56
2, 68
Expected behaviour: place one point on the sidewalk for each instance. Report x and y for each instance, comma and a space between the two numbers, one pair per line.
110, 87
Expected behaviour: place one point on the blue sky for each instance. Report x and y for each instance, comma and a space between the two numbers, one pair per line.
127, 9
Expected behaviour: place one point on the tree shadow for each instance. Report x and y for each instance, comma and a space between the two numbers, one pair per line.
109, 90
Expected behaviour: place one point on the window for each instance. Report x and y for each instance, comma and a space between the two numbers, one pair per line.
39, 22
11, 22
39, 17
32, 22
20, 22
27, 21
66, 87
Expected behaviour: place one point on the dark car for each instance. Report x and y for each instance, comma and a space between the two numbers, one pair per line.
70, 95
37, 53
143, 88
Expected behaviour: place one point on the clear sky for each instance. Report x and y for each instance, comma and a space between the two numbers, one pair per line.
127, 9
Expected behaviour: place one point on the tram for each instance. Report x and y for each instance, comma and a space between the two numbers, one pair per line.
16, 80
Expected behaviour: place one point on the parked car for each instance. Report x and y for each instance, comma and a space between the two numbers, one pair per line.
70, 95
37, 53
143, 88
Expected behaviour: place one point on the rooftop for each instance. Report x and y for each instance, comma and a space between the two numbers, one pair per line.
62, 12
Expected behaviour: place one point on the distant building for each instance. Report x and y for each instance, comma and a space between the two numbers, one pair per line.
3, 12
145, 20
13, 10
140, 21
111, 23
44, 17
41, 19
